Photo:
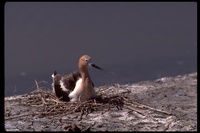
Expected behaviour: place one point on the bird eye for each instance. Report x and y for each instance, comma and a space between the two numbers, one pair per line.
86, 60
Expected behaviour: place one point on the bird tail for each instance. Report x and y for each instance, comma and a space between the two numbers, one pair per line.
54, 74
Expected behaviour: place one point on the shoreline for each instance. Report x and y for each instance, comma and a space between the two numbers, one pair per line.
165, 104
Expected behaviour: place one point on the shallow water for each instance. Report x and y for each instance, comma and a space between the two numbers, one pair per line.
136, 41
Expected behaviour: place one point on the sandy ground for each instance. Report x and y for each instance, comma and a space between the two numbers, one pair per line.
166, 104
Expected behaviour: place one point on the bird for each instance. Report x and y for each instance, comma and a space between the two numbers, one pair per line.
76, 86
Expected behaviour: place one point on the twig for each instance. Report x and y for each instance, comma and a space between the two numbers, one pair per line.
37, 85
14, 117
138, 105
134, 110
157, 110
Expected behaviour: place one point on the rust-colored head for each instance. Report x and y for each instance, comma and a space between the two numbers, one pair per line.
85, 61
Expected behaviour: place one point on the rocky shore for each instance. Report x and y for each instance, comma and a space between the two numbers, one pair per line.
166, 104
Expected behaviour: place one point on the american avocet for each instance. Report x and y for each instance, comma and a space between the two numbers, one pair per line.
76, 86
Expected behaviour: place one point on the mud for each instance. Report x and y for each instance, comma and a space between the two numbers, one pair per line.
166, 104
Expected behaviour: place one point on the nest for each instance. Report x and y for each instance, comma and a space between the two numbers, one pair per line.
51, 105
45, 103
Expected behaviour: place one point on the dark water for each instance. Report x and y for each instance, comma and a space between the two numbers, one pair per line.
136, 40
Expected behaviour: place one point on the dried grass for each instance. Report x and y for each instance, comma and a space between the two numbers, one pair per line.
49, 104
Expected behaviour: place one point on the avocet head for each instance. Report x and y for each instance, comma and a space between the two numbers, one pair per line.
85, 61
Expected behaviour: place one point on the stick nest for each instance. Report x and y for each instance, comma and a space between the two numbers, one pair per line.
45, 103
49, 104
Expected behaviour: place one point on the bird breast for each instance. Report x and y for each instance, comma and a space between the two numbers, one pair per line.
82, 91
